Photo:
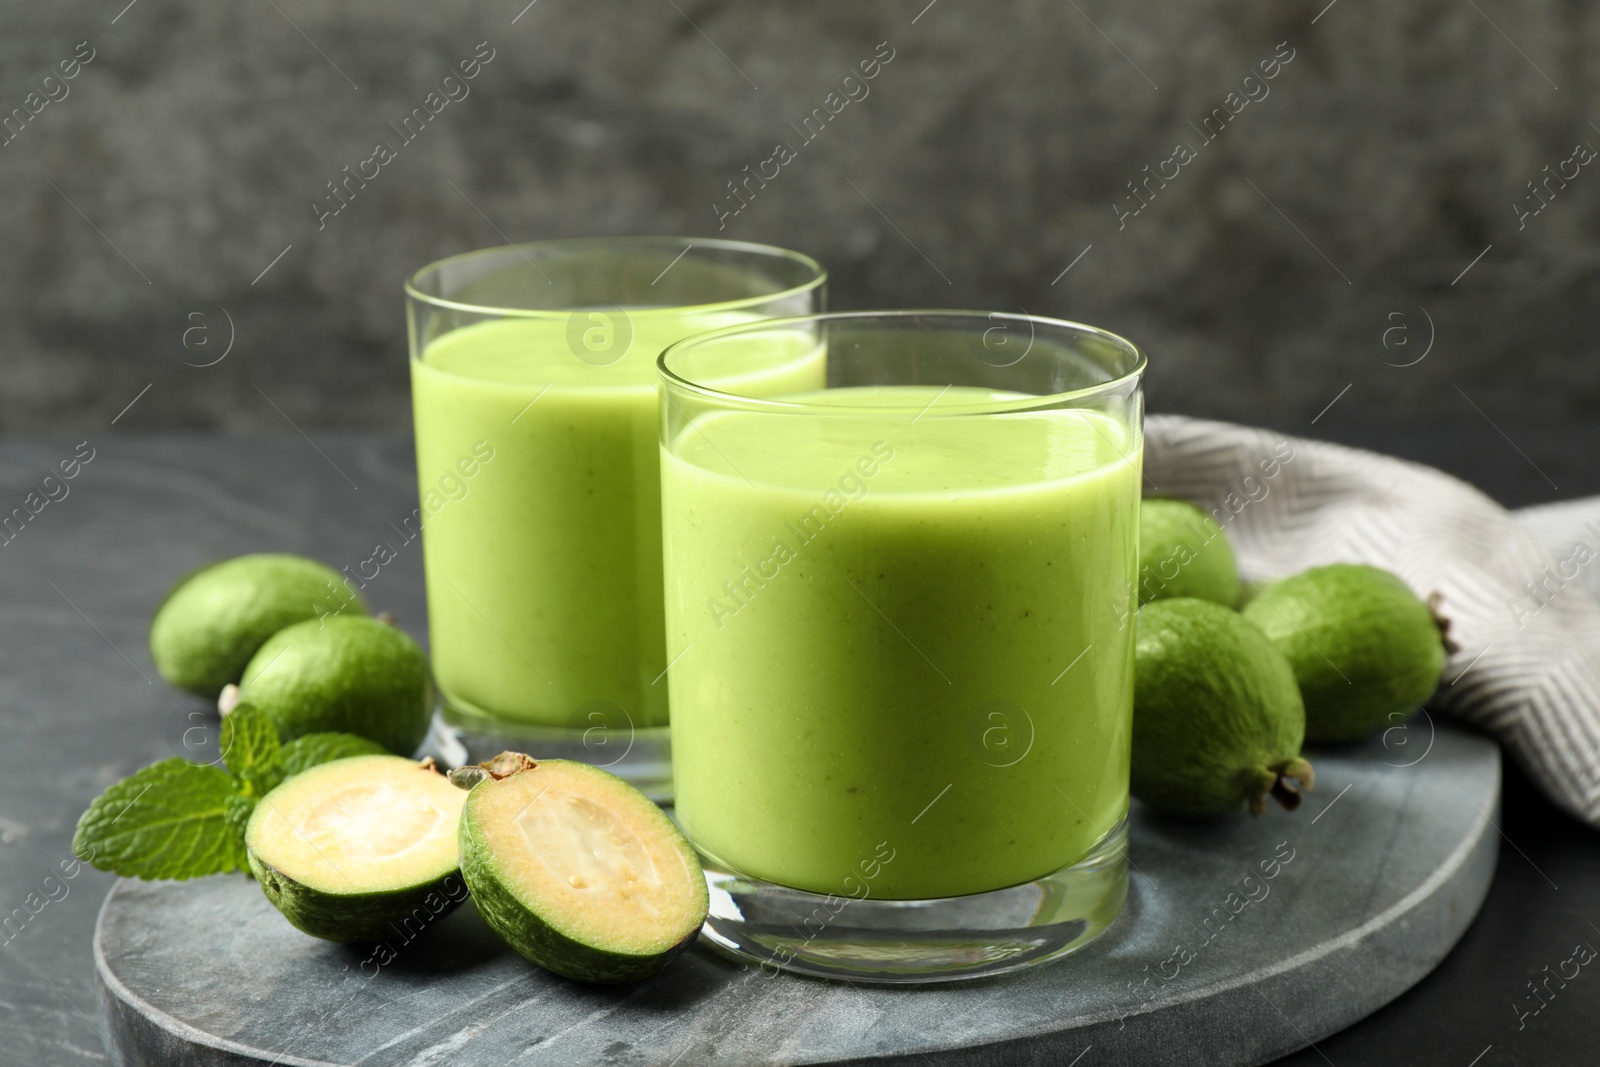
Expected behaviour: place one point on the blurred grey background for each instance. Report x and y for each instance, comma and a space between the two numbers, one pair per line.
1363, 204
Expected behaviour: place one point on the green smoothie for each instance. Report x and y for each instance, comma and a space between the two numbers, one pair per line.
543, 565
909, 635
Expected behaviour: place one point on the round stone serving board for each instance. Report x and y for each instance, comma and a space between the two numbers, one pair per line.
1388, 862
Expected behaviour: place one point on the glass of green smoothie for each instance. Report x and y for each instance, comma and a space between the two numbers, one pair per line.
903, 602
535, 401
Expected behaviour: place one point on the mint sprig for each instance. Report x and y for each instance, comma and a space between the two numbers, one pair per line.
177, 819
167, 821
312, 749
251, 749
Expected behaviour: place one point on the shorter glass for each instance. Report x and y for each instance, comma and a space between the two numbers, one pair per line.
902, 716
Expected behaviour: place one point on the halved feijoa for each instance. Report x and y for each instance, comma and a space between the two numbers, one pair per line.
579, 871
360, 849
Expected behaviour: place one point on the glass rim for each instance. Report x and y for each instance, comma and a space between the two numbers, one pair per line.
1032, 402
755, 250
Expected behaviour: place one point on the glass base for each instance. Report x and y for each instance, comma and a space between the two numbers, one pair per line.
906, 941
639, 755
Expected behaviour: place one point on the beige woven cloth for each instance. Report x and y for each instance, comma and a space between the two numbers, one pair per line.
1521, 590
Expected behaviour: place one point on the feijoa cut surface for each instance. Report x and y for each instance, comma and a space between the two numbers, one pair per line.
580, 872
215, 619
360, 849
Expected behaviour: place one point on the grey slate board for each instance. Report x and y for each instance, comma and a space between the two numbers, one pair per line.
1390, 862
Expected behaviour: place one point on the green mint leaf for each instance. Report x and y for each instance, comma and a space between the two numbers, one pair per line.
237, 817
251, 750
167, 821
312, 749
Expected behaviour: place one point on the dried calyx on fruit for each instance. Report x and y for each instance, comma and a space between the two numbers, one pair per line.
502, 766
1288, 779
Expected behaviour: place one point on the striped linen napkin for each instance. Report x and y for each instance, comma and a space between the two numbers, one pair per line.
1521, 590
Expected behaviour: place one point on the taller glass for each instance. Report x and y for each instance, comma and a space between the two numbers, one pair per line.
535, 402
901, 727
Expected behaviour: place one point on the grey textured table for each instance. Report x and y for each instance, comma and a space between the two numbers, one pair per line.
76, 587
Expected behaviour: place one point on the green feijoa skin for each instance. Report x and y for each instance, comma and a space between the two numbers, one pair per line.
360, 849
350, 673
215, 618
1364, 648
1183, 552
1217, 717
578, 871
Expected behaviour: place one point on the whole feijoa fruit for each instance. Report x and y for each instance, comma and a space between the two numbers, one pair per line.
1217, 718
1363, 647
349, 673
1183, 552
215, 618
